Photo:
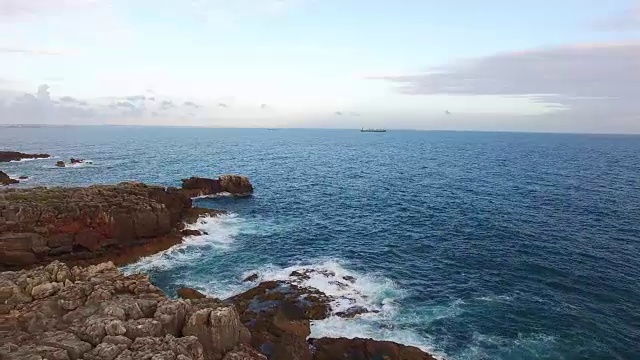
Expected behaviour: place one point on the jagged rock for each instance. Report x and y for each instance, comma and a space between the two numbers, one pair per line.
171, 314
190, 294
83, 225
104, 314
244, 352
236, 185
364, 349
67, 341
45, 290
6, 180
6, 156
142, 328
217, 329
251, 278
197, 186
190, 232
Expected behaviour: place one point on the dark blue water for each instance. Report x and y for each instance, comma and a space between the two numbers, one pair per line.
472, 245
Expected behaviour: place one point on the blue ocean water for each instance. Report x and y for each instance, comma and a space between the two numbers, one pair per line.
471, 245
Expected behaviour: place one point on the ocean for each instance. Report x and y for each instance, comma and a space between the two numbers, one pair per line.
469, 245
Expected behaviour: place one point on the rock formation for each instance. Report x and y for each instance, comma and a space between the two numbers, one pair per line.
97, 313
6, 180
88, 225
60, 163
233, 184
6, 156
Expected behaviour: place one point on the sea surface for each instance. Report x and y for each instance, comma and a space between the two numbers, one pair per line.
470, 245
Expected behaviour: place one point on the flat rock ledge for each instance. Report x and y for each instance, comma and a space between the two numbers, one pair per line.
88, 225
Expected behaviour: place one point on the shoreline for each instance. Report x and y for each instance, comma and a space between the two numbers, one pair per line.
269, 321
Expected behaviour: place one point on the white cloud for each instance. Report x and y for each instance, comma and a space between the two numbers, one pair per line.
594, 77
17, 8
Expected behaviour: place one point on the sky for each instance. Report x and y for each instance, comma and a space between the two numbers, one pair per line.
551, 66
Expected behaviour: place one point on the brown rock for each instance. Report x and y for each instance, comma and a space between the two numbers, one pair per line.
251, 278
189, 232
197, 186
190, 294
6, 180
6, 156
60, 163
217, 329
23, 177
236, 185
364, 349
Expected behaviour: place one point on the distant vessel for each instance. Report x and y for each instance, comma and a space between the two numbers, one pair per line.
373, 130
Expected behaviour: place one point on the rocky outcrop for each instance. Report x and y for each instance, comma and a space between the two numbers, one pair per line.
235, 185
60, 163
6, 180
93, 224
97, 313
6, 156
364, 349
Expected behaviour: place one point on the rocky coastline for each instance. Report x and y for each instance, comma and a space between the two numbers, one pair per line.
62, 296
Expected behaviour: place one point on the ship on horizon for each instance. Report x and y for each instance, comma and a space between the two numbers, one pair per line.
372, 130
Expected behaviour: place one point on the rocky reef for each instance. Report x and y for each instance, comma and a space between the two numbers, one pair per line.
98, 313
87, 225
6, 156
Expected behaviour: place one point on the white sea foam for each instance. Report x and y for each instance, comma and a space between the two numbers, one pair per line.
25, 160
221, 232
376, 293
213, 196
373, 292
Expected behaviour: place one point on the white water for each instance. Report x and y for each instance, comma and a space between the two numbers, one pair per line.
221, 233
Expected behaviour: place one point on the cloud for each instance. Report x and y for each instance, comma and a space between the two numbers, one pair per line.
151, 98
338, 113
191, 104
594, 77
12, 8
39, 108
264, 106
223, 105
68, 99
626, 20
29, 51
165, 104
136, 98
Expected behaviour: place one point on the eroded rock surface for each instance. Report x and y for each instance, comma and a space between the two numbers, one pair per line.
88, 225
97, 313
236, 185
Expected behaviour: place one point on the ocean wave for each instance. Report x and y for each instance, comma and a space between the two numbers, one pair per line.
86, 163
25, 160
483, 346
219, 233
349, 288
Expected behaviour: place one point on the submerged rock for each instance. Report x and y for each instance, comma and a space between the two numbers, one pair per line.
6, 156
